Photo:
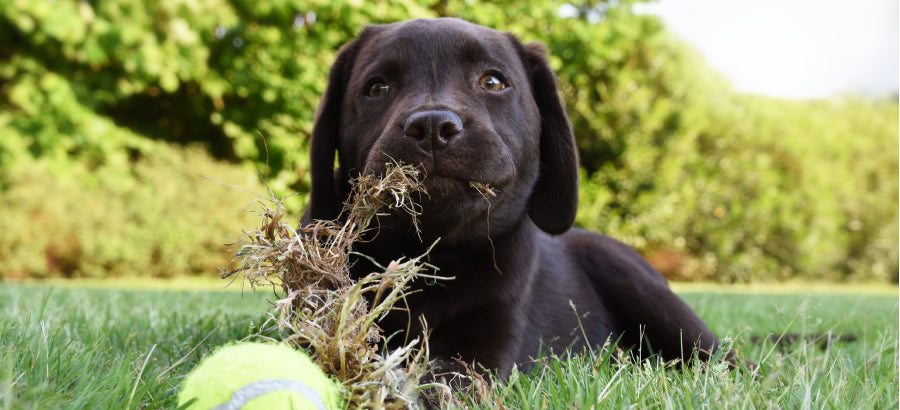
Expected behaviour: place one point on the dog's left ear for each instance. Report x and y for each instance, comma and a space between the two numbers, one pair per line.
328, 193
554, 201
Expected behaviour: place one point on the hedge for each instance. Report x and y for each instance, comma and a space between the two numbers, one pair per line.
100, 101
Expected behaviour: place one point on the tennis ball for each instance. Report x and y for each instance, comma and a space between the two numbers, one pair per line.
259, 376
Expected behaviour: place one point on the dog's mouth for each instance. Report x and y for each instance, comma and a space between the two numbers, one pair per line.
458, 207
444, 186
461, 200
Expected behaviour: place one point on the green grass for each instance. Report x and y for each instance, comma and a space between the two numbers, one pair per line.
68, 347
856, 374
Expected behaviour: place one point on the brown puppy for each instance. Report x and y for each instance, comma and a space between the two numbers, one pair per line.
470, 104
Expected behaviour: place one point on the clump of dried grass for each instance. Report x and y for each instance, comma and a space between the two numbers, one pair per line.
324, 311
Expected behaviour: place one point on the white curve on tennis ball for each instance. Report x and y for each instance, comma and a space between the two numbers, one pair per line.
252, 390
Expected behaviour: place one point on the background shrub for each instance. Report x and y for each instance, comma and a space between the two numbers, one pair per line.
103, 106
157, 217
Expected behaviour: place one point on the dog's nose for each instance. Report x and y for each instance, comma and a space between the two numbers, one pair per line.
433, 130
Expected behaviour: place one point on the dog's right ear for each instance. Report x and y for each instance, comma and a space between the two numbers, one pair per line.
327, 193
554, 201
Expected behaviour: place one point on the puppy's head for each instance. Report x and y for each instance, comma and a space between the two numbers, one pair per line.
465, 103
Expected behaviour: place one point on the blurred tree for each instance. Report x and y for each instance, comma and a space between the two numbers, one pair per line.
707, 183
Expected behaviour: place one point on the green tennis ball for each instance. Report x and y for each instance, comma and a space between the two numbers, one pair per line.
259, 376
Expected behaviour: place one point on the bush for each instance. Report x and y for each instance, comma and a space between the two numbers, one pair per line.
706, 183
242, 77
757, 189
158, 218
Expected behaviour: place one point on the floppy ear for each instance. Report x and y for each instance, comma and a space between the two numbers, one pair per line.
327, 193
554, 201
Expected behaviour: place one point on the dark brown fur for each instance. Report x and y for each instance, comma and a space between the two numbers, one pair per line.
518, 266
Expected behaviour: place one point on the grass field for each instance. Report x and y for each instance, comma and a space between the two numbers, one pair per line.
110, 348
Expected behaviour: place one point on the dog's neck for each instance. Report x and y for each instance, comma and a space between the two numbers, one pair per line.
475, 258
501, 271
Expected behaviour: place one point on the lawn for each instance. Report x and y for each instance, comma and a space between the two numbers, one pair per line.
76, 347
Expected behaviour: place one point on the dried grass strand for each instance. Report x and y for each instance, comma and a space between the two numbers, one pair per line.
324, 311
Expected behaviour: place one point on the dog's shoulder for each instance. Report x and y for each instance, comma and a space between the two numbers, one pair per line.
603, 259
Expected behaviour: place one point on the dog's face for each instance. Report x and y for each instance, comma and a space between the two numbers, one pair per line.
454, 98
463, 102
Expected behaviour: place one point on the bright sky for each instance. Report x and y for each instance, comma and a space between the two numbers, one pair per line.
793, 48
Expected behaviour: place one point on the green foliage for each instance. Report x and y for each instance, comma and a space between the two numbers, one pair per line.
241, 76
706, 183
157, 218
752, 189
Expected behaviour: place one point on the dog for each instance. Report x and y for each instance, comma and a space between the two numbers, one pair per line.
471, 106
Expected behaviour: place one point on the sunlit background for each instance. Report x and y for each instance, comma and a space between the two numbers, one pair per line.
727, 141
793, 48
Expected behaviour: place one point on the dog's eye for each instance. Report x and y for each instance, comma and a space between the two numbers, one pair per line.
491, 82
378, 89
